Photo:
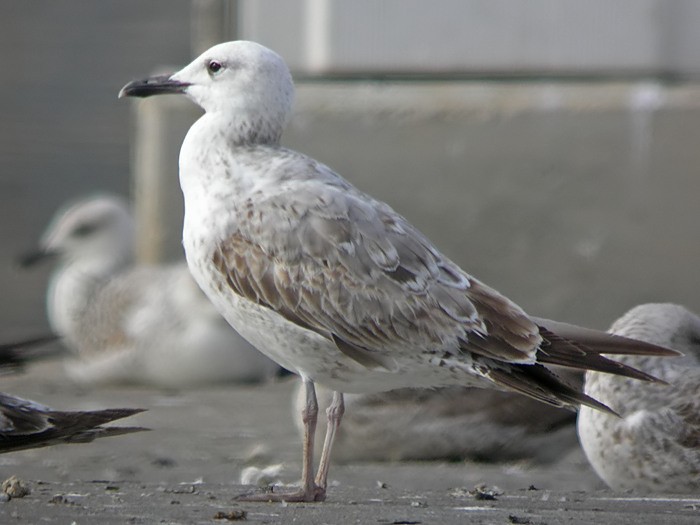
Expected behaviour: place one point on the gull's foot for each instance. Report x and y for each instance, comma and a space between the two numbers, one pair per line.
313, 494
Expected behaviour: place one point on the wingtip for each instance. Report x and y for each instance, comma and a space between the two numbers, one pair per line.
121, 413
670, 352
114, 431
656, 381
597, 405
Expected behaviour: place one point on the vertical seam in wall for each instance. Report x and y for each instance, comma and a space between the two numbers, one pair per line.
316, 34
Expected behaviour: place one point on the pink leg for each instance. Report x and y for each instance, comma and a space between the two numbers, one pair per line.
335, 413
309, 416
309, 491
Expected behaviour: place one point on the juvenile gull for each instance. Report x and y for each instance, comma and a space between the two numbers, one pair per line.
147, 325
655, 445
333, 284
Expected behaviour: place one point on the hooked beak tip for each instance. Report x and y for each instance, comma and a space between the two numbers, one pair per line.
158, 85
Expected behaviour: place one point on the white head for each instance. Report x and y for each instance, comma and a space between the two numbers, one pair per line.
95, 229
244, 83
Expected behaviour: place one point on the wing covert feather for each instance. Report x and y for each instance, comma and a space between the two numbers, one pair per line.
352, 269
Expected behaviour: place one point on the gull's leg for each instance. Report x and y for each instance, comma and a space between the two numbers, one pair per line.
309, 416
335, 413
310, 491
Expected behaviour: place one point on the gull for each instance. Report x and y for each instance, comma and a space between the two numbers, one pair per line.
27, 424
147, 325
333, 284
655, 445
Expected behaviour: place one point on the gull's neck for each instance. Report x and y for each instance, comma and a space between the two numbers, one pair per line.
219, 167
239, 128
213, 159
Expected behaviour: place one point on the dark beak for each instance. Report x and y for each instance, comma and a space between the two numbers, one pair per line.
160, 85
34, 257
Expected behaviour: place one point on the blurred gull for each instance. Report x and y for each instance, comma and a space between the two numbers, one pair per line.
332, 283
146, 325
655, 445
15, 355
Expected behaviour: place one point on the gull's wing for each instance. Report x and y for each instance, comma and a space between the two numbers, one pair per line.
26, 424
345, 266
685, 406
671, 419
21, 416
333, 260
311, 247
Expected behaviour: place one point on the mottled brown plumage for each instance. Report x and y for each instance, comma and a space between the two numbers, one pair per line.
366, 314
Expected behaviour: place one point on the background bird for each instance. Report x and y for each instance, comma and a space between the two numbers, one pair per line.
654, 445
27, 424
15, 355
333, 284
147, 325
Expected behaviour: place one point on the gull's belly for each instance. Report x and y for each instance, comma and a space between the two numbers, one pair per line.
303, 351
319, 359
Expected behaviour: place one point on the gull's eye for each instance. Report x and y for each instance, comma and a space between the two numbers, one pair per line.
85, 229
214, 67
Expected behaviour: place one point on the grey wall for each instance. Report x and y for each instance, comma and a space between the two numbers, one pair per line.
504, 37
63, 133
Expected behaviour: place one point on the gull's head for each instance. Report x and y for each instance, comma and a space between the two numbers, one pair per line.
244, 83
665, 324
90, 230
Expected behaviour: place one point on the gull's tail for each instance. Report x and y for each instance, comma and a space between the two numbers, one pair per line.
579, 348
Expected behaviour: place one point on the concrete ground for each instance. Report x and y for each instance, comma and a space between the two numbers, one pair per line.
187, 470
